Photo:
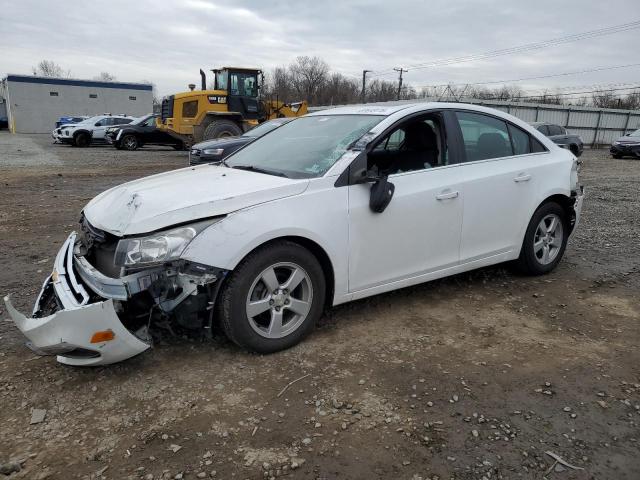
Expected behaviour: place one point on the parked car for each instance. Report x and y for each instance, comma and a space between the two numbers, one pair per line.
91, 130
628, 145
140, 132
331, 207
70, 119
213, 151
560, 136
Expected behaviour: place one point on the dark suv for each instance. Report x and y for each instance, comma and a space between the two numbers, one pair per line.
143, 131
560, 136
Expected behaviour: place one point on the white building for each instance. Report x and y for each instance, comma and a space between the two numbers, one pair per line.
34, 104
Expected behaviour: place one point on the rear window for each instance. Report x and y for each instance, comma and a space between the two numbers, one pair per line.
556, 130
543, 129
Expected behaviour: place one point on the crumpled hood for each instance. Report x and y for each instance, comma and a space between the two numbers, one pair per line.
185, 195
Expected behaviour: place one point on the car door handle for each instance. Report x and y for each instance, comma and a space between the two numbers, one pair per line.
446, 195
523, 177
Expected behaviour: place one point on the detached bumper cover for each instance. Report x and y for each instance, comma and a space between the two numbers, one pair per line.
68, 333
68, 330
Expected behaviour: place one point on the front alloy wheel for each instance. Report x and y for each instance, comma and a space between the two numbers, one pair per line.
129, 142
279, 300
273, 298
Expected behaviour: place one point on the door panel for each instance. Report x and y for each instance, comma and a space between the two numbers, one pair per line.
100, 128
417, 233
499, 194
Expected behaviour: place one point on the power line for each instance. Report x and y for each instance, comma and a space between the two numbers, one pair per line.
539, 77
522, 48
577, 93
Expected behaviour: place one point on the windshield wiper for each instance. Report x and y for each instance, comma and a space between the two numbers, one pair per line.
253, 168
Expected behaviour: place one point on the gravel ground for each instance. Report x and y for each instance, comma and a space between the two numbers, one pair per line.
473, 377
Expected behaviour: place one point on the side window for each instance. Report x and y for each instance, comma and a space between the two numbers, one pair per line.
123, 121
102, 123
484, 137
151, 122
536, 146
392, 142
555, 130
416, 144
190, 109
543, 130
520, 141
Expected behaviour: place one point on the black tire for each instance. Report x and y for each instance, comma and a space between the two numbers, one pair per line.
232, 302
528, 262
81, 140
129, 142
179, 147
616, 156
221, 128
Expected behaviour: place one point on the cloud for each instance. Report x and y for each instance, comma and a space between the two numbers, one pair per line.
168, 42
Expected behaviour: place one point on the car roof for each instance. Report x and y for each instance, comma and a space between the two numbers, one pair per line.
364, 109
535, 124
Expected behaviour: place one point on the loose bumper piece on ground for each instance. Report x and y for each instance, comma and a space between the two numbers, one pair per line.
77, 331
71, 334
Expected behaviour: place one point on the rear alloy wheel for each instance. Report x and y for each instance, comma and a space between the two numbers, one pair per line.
129, 142
545, 240
81, 140
221, 129
273, 298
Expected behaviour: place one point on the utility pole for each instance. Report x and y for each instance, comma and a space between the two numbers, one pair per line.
400, 79
364, 80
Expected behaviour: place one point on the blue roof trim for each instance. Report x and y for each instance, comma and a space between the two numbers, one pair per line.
78, 83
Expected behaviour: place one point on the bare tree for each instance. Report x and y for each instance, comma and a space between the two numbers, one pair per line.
381, 91
278, 85
105, 77
49, 68
339, 90
308, 76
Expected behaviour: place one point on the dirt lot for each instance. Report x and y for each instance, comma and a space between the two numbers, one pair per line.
472, 377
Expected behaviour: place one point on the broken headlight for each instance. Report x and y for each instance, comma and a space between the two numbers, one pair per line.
159, 247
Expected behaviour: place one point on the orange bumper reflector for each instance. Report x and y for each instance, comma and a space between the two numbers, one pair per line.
103, 336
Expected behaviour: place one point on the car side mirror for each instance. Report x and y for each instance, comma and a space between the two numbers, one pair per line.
381, 194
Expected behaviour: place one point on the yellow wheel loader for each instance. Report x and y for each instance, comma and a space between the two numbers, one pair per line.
231, 108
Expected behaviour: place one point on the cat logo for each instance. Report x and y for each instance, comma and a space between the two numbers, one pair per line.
217, 99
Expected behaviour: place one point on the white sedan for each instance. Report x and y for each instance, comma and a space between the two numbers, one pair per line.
331, 207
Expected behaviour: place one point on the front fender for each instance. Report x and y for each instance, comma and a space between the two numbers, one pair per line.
320, 215
227, 242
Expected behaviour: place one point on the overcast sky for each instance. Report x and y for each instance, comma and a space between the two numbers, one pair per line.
167, 42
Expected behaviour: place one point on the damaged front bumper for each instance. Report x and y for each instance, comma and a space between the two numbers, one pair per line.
69, 331
578, 198
77, 315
